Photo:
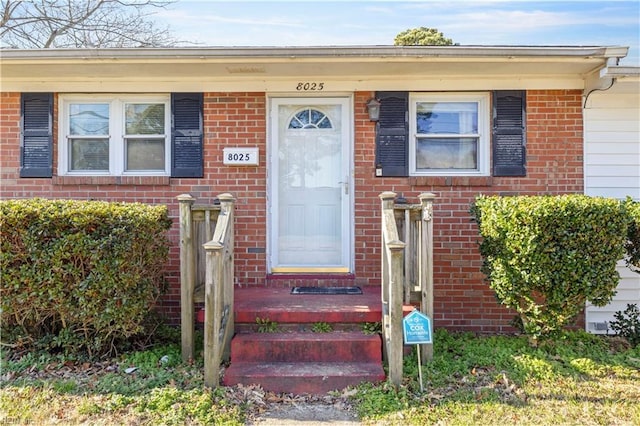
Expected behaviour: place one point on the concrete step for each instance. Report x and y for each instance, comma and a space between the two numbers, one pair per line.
295, 360
306, 347
303, 377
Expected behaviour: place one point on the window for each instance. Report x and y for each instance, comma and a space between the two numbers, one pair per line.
115, 135
310, 119
449, 134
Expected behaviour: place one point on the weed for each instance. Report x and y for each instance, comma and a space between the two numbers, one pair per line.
372, 328
164, 356
321, 327
265, 325
64, 386
35, 360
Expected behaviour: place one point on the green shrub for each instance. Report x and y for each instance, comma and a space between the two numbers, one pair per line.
627, 324
84, 272
633, 235
546, 255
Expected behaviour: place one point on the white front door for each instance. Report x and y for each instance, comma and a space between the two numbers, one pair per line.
310, 185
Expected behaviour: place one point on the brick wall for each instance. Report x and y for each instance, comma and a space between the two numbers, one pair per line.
462, 299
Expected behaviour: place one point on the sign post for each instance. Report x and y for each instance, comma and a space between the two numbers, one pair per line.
417, 330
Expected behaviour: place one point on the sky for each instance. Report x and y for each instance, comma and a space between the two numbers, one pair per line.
371, 22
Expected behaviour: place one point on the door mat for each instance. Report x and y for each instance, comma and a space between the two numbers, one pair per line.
326, 290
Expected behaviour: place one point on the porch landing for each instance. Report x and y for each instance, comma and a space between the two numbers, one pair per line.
279, 305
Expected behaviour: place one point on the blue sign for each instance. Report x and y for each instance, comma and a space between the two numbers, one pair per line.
417, 328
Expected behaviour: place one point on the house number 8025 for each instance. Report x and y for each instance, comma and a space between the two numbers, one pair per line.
309, 86
240, 156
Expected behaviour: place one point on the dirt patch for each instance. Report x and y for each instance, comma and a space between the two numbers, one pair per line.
271, 409
305, 415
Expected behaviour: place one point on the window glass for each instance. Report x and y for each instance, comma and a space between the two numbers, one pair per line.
144, 119
89, 119
447, 153
89, 154
145, 154
447, 117
310, 119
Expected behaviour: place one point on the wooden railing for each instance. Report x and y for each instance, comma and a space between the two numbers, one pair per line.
206, 275
407, 266
218, 293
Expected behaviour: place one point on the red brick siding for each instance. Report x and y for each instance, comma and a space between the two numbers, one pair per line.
462, 298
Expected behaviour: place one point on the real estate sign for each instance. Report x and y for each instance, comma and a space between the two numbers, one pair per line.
417, 328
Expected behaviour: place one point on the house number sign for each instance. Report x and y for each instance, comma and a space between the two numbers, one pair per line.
310, 86
240, 156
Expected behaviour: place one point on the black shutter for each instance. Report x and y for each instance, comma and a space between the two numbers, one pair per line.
187, 154
392, 134
509, 133
36, 144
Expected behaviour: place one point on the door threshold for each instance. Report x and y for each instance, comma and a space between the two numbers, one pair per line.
310, 275
305, 270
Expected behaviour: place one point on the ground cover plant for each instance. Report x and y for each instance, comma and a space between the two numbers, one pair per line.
574, 379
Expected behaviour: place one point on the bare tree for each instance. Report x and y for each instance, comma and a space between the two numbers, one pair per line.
81, 23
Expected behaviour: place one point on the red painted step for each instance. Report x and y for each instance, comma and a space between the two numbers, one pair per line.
306, 347
279, 305
296, 360
303, 377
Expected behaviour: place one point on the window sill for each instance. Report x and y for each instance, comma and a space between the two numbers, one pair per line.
112, 180
451, 181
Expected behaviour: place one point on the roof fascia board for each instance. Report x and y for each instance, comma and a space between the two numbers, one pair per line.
286, 86
373, 52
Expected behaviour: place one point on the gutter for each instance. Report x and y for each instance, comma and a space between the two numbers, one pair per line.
373, 52
621, 72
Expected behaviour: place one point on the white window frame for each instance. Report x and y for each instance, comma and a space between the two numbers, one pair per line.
117, 136
484, 134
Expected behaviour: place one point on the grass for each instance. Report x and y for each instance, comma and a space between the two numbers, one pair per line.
576, 379
158, 390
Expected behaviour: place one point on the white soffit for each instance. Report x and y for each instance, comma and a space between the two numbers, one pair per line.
352, 68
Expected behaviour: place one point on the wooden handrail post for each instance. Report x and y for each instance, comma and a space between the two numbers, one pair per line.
227, 207
218, 292
387, 198
187, 276
396, 286
425, 270
212, 313
392, 288
227, 202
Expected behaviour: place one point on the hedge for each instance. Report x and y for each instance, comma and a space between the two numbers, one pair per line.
633, 239
85, 272
545, 256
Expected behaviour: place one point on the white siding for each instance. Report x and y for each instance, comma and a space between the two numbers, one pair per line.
612, 169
